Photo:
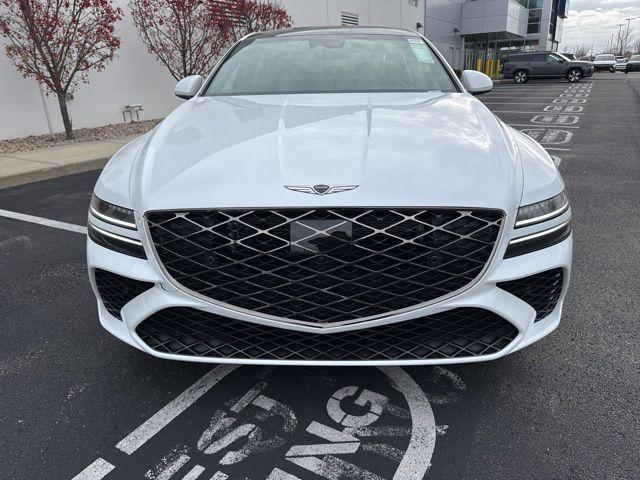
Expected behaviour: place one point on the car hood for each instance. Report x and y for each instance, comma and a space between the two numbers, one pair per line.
417, 149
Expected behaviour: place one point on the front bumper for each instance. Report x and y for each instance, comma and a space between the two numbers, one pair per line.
482, 295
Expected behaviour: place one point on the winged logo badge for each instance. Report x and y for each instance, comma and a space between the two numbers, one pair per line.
321, 189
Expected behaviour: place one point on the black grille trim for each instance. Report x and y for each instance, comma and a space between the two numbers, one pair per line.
463, 332
116, 291
325, 266
541, 291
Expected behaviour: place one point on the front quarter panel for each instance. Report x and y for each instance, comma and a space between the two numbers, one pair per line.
115, 180
541, 177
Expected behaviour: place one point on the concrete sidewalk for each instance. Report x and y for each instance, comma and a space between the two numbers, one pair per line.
19, 168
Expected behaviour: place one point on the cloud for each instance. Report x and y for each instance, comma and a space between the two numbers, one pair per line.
594, 25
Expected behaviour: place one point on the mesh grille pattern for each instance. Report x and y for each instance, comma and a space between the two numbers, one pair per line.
116, 291
325, 266
464, 332
541, 291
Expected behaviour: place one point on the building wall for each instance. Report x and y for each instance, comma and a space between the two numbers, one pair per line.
136, 78
442, 27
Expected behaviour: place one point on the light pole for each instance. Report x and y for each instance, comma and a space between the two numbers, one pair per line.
620, 36
626, 37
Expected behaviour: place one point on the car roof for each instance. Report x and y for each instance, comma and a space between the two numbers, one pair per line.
532, 53
335, 30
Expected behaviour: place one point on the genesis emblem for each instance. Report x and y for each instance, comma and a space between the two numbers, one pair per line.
321, 189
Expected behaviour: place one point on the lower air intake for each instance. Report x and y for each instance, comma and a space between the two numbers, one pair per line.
464, 332
116, 291
541, 291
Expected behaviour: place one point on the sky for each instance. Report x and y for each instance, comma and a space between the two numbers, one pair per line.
591, 22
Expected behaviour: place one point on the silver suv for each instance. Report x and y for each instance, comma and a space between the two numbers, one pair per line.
523, 66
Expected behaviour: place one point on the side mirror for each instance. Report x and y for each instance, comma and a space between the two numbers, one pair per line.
476, 82
188, 87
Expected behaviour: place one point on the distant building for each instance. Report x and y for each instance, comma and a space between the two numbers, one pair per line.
479, 33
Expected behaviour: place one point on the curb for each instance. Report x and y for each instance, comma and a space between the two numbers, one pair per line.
20, 168
50, 172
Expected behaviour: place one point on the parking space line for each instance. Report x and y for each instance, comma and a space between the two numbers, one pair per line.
70, 227
166, 414
516, 103
556, 148
96, 471
520, 111
539, 125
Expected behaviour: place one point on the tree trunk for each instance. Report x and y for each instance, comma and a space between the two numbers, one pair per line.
66, 119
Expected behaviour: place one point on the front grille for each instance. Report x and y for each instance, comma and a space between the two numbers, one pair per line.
116, 291
464, 332
325, 266
541, 291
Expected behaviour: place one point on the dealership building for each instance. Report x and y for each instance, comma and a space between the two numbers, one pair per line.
470, 34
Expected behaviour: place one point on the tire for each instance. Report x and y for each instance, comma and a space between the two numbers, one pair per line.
520, 77
574, 75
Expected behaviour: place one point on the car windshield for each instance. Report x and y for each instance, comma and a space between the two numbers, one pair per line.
564, 57
323, 63
605, 57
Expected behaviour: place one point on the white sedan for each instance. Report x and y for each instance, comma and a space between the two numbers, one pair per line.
331, 196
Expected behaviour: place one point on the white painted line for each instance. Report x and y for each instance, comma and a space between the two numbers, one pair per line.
509, 95
278, 474
538, 125
164, 416
519, 111
248, 397
516, 103
96, 471
170, 469
70, 227
222, 476
417, 459
194, 473
323, 449
559, 149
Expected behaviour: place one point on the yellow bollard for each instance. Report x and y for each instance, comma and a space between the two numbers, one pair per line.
479, 65
497, 68
489, 70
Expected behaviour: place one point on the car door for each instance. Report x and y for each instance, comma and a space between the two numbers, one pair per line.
536, 64
553, 66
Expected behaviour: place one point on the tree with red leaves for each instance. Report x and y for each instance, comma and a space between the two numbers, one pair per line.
188, 36
237, 18
58, 42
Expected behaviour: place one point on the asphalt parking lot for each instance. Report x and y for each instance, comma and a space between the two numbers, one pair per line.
77, 403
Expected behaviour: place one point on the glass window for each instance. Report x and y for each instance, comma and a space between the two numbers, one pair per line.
323, 63
554, 58
533, 28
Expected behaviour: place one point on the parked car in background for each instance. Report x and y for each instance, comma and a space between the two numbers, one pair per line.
621, 64
633, 65
523, 66
605, 61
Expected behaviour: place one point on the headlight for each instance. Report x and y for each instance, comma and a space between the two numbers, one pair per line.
120, 217
113, 214
542, 211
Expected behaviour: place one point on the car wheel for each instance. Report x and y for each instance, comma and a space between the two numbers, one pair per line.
574, 75
520, 76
